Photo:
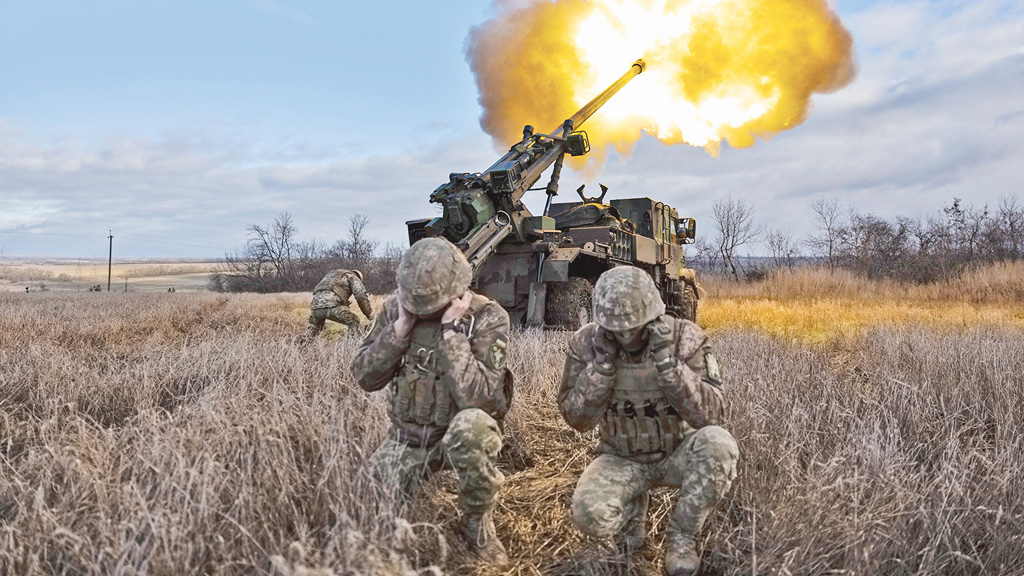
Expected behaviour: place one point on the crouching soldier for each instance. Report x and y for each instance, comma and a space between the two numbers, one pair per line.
331, 300
441, 350
651, 385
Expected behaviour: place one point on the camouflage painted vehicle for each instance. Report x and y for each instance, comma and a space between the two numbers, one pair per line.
542, 268
641, 232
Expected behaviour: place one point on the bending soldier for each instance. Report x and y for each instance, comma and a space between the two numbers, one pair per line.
331, 300
441, 349
651, 385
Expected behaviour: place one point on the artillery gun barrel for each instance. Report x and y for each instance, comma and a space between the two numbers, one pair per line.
580, 117
534, 170
573, 122
508, 179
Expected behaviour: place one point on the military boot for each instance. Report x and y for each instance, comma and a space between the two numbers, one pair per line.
634, 533
681, 557
706, 479
309, 335
481, 536
696, 497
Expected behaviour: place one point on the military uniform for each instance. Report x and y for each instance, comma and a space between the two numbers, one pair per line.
331, 299
658, 411
449, 389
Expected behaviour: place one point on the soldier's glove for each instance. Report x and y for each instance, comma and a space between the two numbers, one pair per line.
606, 351
661, 339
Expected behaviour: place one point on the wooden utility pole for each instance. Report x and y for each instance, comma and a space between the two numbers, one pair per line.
110, 259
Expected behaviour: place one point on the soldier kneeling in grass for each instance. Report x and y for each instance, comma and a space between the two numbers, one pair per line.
651, 385
441, 350
331, 300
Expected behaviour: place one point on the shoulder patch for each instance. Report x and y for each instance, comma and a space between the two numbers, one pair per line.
497, 354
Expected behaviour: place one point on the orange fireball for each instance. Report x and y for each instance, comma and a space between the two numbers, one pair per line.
732, 70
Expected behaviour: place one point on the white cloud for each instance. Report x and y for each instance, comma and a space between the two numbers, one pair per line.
208, 192
935, 113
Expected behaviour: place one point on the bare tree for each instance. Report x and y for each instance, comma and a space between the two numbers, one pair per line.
1011, 217
734, 220
966, 226
783, 248
386, 266
875, 247
828, 227
273, 259
264, 263
356, 250
273, 245
705, 254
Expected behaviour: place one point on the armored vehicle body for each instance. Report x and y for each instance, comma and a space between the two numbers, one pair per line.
542, 268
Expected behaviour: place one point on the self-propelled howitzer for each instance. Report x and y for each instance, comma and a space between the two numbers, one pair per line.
516, 255
482, 209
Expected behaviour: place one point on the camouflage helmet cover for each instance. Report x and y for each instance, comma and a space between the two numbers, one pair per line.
625, 298
431, 274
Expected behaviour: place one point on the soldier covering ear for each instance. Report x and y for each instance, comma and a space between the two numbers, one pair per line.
656, 398
441, 351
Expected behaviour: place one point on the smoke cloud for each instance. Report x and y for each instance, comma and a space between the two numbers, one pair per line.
734, 71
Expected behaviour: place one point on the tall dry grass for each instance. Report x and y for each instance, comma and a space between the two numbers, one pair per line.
998, 283
192, 435
812, 305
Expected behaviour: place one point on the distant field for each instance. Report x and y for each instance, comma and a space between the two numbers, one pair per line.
191, 434
814, 306
62, 275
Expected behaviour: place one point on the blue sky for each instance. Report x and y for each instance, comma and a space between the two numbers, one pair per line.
177, 124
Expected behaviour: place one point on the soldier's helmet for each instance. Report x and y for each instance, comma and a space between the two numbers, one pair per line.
431, 274
625, 298
358, 273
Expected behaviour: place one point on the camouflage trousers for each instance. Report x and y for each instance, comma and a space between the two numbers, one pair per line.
470, 446
613, 491
328, 306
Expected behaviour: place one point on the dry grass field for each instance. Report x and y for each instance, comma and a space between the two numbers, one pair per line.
191, 434
79, 276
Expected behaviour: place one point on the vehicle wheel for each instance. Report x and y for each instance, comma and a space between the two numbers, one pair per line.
568, 304
689, 303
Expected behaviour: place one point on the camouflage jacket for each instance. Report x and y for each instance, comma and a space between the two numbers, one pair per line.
473, 360
692, 387
346, 284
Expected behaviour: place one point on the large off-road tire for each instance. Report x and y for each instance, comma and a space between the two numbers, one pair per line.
689, 303
568, 304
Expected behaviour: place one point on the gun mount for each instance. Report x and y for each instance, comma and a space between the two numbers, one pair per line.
516, 256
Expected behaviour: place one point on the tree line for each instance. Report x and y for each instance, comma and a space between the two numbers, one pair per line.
275, 259
923, 249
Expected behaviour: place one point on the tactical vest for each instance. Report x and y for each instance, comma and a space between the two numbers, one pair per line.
332, 282
639, 420
422, 390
